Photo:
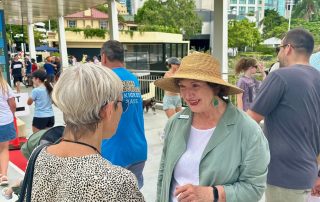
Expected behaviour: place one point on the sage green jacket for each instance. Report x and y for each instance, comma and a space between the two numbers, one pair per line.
236, 156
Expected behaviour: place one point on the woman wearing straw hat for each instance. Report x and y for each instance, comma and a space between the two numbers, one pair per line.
212, 151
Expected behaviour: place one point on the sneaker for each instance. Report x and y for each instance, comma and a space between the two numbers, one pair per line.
161, 136
4, 180
6, 193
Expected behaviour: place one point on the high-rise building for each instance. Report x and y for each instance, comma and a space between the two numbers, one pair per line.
281, 6
242, 8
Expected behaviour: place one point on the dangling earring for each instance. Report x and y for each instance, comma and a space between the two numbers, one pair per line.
215, 102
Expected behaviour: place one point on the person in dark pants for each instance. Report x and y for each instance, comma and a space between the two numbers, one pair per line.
128, 147
16, 72
41, 95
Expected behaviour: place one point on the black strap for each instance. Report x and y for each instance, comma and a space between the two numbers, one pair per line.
215, 194
82, 143
28, 177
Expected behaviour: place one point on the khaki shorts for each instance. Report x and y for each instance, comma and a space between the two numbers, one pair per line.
279, 194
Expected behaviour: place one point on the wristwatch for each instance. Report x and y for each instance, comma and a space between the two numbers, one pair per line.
215, 194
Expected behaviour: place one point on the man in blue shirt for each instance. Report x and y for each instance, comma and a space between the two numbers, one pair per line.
128, 146
49, 67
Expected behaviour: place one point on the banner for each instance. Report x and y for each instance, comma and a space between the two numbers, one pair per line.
22, 108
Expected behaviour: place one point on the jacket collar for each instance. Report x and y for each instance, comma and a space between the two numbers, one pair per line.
223, 129
184, 120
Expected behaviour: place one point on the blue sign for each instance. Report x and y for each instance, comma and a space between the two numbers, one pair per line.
4, 66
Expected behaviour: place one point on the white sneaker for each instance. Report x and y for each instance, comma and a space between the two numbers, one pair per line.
162, 136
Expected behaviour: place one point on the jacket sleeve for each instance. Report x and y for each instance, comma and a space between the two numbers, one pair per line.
253, 168
162, 161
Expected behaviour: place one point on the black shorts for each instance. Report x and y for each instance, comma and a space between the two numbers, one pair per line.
42, 123
17, 78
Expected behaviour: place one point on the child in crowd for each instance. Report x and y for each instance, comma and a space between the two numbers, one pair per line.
41, 95
247, 82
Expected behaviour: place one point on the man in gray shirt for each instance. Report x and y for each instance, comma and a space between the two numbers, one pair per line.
289, 102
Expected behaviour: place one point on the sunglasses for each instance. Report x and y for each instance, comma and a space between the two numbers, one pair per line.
125, 105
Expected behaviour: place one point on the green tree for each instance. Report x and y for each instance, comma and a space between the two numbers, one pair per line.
243, 34
17, 29
53, 24
306, 9
274, 24
176, 15
313, 27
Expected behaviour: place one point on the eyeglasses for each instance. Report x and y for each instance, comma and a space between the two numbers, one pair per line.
125, 105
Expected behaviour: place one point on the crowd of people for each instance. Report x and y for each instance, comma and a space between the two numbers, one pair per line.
212, 151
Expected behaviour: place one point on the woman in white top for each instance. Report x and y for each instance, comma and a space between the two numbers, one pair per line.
89, 96
7, 130
212, 150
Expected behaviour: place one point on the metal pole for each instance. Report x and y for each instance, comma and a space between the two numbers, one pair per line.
290, 10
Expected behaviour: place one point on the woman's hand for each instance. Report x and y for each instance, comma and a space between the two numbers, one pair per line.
189, 192
262, 68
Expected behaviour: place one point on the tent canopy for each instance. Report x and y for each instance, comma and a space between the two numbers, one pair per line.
46, 48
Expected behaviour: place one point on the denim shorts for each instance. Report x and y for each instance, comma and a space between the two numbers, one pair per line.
171, 102
7, 132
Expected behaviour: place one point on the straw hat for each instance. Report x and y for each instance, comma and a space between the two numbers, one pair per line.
197, 66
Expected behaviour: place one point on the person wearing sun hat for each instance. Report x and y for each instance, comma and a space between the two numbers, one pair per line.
212, 151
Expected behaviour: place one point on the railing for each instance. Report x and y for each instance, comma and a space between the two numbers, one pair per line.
147, 77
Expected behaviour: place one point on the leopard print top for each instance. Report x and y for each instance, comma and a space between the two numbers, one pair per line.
80, 179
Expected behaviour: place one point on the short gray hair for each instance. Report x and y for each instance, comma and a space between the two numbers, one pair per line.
81, 92
113, 50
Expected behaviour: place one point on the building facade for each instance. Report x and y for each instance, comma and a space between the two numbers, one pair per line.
243, 8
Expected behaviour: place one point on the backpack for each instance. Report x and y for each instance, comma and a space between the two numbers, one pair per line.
41, 137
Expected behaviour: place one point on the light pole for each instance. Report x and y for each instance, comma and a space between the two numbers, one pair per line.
290, 12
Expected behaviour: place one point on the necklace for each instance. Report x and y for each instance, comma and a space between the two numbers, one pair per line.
82, 143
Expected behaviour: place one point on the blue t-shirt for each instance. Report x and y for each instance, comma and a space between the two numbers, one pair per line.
289, 99
128, 145
28, 67
43, 102
49, 68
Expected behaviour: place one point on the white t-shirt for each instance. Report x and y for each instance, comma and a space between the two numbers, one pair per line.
6, 115
187, 167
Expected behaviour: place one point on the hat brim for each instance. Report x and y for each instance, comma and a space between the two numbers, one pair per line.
169, 84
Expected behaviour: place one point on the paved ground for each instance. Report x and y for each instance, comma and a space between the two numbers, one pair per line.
153, 125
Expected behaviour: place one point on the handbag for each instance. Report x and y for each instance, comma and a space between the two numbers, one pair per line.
28, 177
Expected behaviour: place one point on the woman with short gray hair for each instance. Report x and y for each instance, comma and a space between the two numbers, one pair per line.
89, 96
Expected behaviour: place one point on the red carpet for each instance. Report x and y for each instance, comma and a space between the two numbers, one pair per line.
16, 157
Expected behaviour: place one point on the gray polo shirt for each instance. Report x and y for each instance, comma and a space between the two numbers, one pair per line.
289, 99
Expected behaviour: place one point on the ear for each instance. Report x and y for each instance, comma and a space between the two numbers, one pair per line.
106, 111
103, 59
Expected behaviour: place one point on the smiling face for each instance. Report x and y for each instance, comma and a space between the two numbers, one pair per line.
197, 94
